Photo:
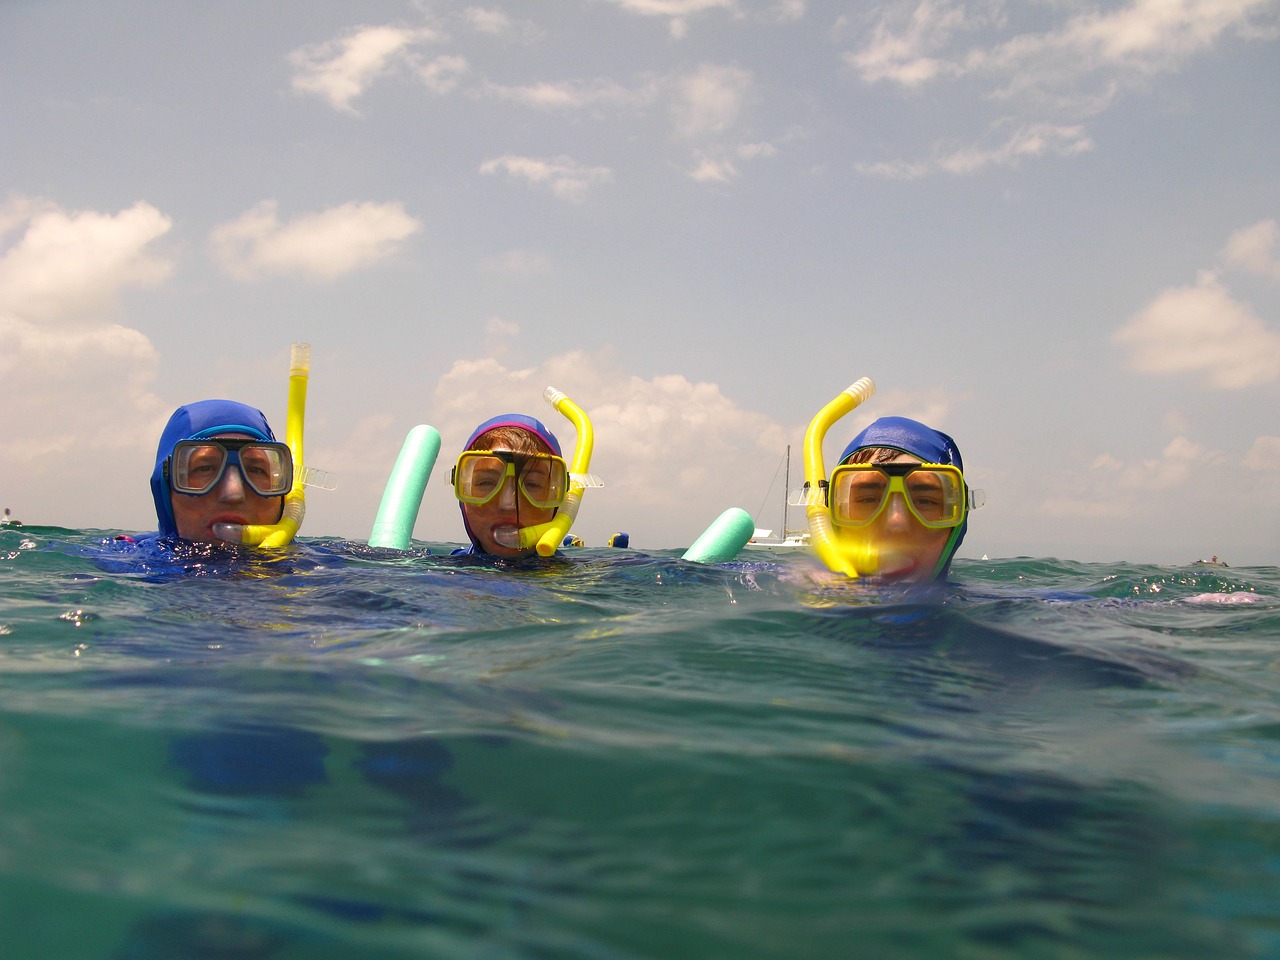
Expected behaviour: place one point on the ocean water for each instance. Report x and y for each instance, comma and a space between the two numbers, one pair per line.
344, 752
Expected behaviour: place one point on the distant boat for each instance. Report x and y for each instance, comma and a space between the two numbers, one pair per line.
790, 539
1215, 562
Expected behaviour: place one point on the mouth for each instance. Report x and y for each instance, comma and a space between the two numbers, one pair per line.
227, 518
505, 534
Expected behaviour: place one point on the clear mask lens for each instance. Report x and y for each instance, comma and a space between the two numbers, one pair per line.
197, 466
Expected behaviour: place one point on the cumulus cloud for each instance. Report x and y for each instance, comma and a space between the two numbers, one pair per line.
913, 43
677, 12
72, 380
339, 71
1203, 331
1116, 487
673, 452
904, 41
567, 95
1255, 249
565, 177
518, 263
322, 245
1264, 455
499, 334
73, 264
444, 74
1048, 80
721, 165
710, 100
487, 21
1028, 142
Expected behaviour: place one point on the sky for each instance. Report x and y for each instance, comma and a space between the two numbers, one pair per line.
1048, 228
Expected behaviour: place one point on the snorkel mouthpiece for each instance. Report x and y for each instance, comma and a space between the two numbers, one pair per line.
295, 504
847, 551
548, 536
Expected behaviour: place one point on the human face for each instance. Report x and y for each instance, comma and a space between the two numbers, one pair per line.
907, 549
495, 525
230, 501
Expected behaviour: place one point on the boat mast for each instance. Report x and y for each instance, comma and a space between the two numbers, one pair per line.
786, 492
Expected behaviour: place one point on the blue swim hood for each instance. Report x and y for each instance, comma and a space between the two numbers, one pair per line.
205, 418
930, 445
536, 427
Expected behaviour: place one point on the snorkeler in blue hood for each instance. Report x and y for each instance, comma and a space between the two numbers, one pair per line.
194, 484
510, 477
903, 483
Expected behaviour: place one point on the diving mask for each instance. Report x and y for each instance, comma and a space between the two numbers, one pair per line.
935, 493
197, 466
481, 475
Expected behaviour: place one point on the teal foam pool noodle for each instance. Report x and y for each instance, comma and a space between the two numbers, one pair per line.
393, 526
721, 541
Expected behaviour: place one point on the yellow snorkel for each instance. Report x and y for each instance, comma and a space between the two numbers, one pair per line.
548, 536
295, 502
843, 550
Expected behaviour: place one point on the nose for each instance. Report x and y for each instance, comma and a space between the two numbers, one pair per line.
507, 498
897, 515
231, 486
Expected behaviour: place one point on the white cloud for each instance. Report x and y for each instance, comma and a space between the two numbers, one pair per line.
1125, 487
339, 71
1032, 141
912, 43
1254, 249
487, 21
708, 169
75, 264
673, 453
1202, 330
710, 100
499, 334
519, 263
567, 95
75, 387
1264, 456
443, 74
324, 245
566, 178
903, 43
788, 11
1049, 80
677, 12
673, 8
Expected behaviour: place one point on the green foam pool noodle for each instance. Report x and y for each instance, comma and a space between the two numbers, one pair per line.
721, 541
393, 526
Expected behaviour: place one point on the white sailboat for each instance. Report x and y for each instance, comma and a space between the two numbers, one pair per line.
790, 539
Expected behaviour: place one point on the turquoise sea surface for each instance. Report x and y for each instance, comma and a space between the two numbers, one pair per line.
337, 752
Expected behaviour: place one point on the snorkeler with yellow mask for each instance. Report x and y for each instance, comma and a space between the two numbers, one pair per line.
517, 494
897, 505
